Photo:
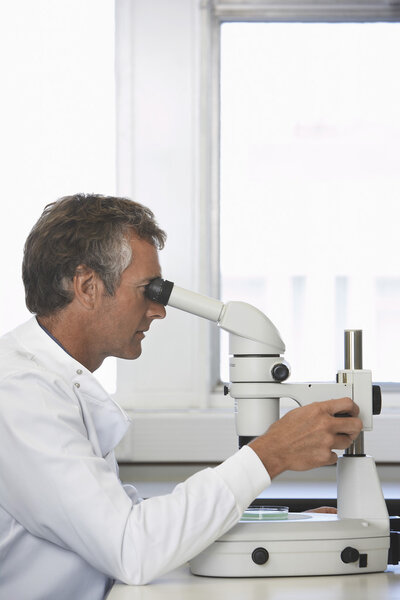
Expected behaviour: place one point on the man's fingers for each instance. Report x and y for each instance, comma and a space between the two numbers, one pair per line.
346, 424
342, 405
342, 441
350, 426
345, 430
323, 509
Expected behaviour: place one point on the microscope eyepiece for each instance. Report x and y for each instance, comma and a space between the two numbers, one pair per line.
159, 290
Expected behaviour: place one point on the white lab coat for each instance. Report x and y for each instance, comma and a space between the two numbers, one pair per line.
68, 527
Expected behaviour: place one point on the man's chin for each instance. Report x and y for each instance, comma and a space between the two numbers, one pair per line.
135, 353
138, 353
132, 353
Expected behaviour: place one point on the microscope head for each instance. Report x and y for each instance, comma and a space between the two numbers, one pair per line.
251, 330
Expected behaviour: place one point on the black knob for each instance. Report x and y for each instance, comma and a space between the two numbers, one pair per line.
260, 556
280, 372
226, 390
376, 400
350, 555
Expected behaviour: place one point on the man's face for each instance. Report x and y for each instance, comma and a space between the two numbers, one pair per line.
124, 317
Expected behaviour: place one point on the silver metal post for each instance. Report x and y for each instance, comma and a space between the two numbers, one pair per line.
353, 349
353, 361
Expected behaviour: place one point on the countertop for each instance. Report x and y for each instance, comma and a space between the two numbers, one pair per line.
180, 584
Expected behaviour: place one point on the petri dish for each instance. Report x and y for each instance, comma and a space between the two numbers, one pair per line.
265, 513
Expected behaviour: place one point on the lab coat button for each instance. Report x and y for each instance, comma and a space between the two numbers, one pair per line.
77, 384
79, 371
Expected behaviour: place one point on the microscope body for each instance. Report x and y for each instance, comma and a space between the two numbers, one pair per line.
356, 540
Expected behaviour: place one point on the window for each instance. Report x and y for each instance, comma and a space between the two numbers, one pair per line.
310, 182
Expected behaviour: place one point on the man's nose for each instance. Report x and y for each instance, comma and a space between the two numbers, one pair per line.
156, 310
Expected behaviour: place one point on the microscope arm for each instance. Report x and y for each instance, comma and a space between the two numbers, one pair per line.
307, 393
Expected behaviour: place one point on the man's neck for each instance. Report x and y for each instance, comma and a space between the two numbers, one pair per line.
51, 335
72, 336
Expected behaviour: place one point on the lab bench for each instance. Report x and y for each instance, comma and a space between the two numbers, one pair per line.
180, 584
300, 491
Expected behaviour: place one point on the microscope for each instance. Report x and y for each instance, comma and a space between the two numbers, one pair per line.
356, 539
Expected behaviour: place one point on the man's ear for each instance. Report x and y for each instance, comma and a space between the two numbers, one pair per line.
87, 286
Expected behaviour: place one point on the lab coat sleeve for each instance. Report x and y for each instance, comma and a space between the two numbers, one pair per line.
58, 489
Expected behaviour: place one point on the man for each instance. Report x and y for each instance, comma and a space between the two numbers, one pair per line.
68, 527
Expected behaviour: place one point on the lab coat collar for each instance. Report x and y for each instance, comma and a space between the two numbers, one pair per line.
105, 415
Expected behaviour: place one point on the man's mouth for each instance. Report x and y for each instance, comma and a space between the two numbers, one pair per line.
141, 332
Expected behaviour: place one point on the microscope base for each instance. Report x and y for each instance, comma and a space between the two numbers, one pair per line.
304, 544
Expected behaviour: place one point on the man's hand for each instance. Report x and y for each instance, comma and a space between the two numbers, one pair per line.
305, 437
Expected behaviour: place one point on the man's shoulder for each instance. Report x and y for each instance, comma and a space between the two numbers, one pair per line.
10, 342
25, 381
13, 356
18, 363
18, 368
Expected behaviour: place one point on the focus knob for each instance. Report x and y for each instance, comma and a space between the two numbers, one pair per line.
260, 556
350, 555
280, 372
376, 400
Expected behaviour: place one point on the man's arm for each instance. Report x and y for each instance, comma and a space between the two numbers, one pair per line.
67, 494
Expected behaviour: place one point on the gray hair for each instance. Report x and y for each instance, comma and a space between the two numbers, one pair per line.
92, 230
